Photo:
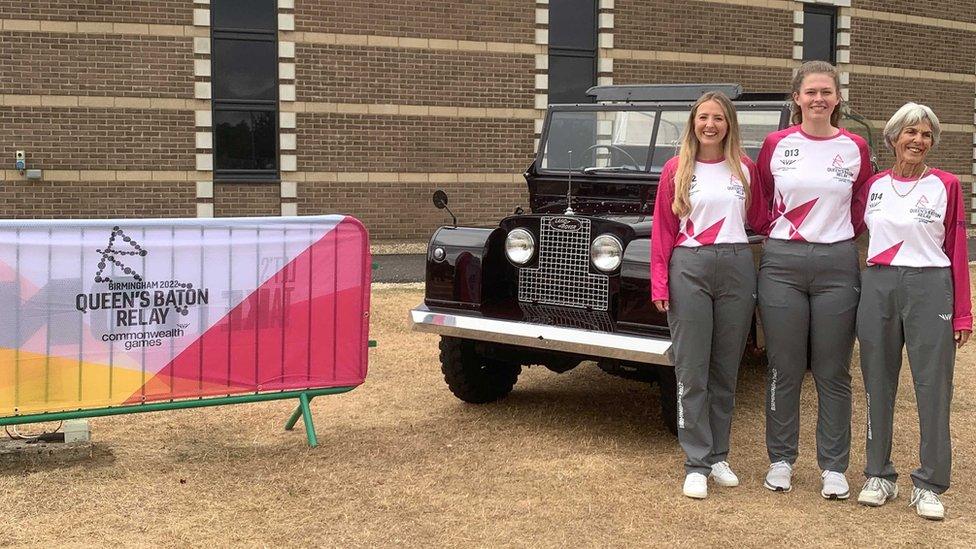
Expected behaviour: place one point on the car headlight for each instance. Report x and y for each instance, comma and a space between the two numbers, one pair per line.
606, 252
519, 246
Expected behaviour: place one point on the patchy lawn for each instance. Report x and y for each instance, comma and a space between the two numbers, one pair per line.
574, 459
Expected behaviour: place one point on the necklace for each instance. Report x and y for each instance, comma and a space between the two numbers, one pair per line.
894, 188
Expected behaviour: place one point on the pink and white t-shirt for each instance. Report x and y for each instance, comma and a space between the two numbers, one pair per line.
919, 223
718, 214
811, 183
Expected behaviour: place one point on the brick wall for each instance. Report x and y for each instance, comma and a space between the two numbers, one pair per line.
477, 20
404, 209
910, 46
752, 78
703, 27
956, 10
95, 199
475, 158
159, 12
355, 74
83, 150
99, 65
246, 199
369, 143
98, 139
445, 75
878, 97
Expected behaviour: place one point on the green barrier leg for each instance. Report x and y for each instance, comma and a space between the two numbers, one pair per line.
294, 418
307, 416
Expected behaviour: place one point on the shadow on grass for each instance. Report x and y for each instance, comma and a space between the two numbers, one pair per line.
584, 404
586, 400
33, 461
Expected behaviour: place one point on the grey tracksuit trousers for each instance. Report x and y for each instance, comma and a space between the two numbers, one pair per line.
908, 306
808, 295
713, 296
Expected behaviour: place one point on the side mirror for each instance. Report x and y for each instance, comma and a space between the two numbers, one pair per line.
440, 202
439, 199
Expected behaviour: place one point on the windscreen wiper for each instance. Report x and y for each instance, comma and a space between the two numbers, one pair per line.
592, 169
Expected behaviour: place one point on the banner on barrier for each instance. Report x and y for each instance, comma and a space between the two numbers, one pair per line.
107, 313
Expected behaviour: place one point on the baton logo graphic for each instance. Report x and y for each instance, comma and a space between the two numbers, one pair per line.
109, 255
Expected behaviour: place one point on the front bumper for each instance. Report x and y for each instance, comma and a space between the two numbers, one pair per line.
651, 350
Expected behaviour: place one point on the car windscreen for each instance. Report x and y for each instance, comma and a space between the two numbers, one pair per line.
754, 126
621, 140
598, 140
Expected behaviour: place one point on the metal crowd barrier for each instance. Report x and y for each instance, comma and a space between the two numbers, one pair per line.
108, 317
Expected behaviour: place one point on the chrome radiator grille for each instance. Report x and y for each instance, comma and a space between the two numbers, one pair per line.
563, 276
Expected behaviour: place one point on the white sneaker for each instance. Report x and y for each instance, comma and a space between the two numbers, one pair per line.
927, 504
696, 486
779, 478
877, 491
723, 475
834, 485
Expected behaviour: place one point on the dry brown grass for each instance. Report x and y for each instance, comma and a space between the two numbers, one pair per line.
573, 459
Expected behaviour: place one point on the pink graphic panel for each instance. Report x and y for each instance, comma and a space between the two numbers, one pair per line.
305, 326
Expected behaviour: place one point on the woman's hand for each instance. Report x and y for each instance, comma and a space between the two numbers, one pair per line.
961, 336
663, 305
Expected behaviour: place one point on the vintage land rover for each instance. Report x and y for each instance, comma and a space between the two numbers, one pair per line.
569, 281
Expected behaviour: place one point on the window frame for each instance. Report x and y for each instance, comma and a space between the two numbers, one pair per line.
268, 175
832, 13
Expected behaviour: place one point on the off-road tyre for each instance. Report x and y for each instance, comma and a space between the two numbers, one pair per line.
668, 383
472, 377
754, 357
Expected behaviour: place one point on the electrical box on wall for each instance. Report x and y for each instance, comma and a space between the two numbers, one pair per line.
20, 161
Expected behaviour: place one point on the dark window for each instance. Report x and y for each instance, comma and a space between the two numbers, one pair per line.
245, 14
572, 24
244, 140
819, 33
244, 69
244, 84
569, 78
572, 50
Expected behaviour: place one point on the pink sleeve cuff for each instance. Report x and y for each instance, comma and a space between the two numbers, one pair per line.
964, 323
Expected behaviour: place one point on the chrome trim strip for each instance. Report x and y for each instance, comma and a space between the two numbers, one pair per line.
652, 350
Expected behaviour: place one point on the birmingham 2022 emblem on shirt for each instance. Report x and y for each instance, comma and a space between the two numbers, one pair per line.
840, 170
736, 188
922, 213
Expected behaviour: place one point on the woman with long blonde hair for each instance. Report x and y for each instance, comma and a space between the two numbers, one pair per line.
702, 275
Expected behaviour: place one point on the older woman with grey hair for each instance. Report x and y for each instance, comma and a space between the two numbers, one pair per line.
914, 294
